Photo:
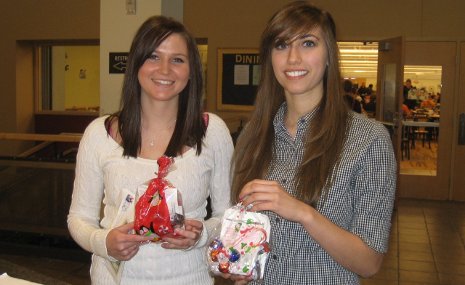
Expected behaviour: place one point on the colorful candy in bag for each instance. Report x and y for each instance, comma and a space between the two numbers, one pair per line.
159, 208
243, 245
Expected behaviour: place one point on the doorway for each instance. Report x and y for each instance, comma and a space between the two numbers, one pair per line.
440, 55
421, 114
458, 161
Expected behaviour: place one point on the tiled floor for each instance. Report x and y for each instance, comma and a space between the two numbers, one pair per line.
427, 247
422, 159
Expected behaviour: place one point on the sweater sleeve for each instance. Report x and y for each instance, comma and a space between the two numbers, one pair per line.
219, 139
84, 213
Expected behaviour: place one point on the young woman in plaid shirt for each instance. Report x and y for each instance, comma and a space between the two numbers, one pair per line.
325, 175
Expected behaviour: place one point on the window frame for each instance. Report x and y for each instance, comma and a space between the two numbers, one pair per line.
39, 48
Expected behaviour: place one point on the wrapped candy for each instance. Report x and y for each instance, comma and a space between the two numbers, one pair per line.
159, 210
243, 244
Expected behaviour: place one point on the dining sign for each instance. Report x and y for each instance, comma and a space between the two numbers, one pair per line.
238, 78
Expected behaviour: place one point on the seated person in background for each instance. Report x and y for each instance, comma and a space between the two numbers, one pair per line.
353, 103
363, 90
406, 113
428, 103
368, 104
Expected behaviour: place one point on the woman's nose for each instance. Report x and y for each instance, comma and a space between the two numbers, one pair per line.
164, 66
294, 55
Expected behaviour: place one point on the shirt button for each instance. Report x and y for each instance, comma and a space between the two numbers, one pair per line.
274, 256
284, 181
278, 220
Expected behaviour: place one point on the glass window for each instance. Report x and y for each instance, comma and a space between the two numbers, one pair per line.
68, 76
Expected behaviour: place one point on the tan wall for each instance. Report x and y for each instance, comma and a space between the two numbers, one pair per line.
239, 23
117, 31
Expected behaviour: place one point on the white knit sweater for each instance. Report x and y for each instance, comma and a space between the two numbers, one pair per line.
103, 173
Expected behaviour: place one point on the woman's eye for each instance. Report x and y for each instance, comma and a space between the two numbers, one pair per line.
178, 60
153, 56
280, 46
309, 43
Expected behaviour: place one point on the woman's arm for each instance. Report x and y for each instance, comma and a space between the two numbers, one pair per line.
84, 213
220, 140
344, 247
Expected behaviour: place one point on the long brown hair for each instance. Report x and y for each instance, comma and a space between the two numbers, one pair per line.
189, 129
254, 149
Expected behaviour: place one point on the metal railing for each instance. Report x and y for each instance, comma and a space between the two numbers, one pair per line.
36, 184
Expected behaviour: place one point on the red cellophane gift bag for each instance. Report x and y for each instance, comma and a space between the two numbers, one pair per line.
159, 209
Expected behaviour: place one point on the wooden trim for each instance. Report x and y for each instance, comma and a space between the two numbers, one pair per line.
65, 137
38, 164
34, 229
35, 149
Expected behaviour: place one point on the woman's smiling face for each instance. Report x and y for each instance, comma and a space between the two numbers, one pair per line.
299, 64
166, 72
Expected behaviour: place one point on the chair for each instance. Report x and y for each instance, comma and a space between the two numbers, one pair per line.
425, 134
405, 144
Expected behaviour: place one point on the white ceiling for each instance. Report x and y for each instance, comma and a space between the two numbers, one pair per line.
360, 60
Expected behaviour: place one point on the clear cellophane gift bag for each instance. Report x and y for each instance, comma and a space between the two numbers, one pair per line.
242, 246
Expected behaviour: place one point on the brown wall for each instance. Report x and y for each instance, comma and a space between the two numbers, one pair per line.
226, 24
35, 20
239, 23
458, 180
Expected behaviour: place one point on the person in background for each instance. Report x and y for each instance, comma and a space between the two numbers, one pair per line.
429, 103
161, 114
353, 101
406, 112
370, 89
407, 87
411, 103
362, 90
369, 105
325, 175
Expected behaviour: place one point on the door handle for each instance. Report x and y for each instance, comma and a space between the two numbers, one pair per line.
397, 119
462, 129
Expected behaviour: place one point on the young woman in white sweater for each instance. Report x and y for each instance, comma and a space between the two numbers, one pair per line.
161, 114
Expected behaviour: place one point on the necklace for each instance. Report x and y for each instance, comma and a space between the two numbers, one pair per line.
152, 140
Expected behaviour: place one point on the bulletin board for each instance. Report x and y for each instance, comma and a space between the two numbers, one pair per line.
238, 77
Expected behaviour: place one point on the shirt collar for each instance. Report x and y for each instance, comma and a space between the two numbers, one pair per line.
302, 124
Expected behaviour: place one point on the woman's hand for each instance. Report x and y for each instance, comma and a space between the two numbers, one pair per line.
259, 195
238, 279
122, 244
185, 238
